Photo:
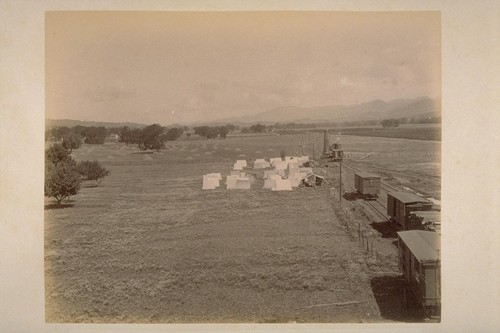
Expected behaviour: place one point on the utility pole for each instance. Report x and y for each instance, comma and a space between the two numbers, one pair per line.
340, 182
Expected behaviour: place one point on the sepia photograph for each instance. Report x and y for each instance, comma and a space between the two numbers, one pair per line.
263, 166
242, 167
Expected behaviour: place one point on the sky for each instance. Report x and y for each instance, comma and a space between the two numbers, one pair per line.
185, 67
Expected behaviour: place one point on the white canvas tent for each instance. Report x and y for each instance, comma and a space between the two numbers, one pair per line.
243, 163
215, 175
275, 160
282, 185
281, 165
268, 173
210, 183
294, 181
271, 181
303, 159
261, 164
293, 169
242, 183
237, 166
231, 181
237, 183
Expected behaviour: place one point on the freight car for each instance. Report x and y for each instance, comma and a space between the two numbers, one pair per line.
367, 185
419, 261
400, 204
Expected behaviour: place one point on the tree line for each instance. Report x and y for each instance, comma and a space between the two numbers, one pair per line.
78, 134
395, 122
212, 132
150, 137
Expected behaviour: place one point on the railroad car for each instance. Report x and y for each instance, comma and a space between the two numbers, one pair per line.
336, 152
367, 185
400, 204
419, 262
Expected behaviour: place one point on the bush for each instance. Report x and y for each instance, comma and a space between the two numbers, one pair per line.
92, 170
72, 141
153, 137
56, 154
62, 180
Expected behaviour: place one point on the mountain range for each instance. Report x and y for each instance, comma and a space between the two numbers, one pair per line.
50, 123
374, 110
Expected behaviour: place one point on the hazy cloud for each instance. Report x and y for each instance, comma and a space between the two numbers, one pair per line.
107, 94
195, 66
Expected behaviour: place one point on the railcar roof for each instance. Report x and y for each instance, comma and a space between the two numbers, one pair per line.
406, 197
366, 175
423, 244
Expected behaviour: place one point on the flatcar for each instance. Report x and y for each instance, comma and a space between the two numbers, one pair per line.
401, 204
367, 185
419, 262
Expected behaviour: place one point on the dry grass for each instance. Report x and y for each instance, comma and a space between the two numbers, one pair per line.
148, 245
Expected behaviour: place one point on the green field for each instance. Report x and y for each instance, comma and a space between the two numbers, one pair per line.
148, 245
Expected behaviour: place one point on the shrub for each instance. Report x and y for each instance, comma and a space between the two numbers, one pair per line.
92, 170
72, 141
62, 180
56, 154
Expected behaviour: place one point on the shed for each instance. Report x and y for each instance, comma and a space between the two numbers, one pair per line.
367, 184
419, 261
400, 204
313, 180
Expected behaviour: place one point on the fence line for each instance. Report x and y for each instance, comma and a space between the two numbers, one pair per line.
353, 230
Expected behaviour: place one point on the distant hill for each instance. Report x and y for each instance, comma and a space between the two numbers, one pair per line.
374, 110
50, 123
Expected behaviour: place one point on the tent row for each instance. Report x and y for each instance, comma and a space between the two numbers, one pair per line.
285, 175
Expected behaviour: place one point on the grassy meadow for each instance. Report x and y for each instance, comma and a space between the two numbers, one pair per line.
149, 245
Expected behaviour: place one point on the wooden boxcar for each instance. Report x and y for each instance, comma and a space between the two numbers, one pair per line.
367, 185
419, 261
400, 204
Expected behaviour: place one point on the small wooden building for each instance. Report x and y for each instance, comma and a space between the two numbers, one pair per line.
368, 185
419, 261
313, 180
400, 204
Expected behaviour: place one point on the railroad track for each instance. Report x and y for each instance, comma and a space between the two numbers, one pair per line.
378, 211
436, 180
383, 184
375, 205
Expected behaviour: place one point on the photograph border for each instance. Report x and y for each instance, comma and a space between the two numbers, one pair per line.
470, 100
